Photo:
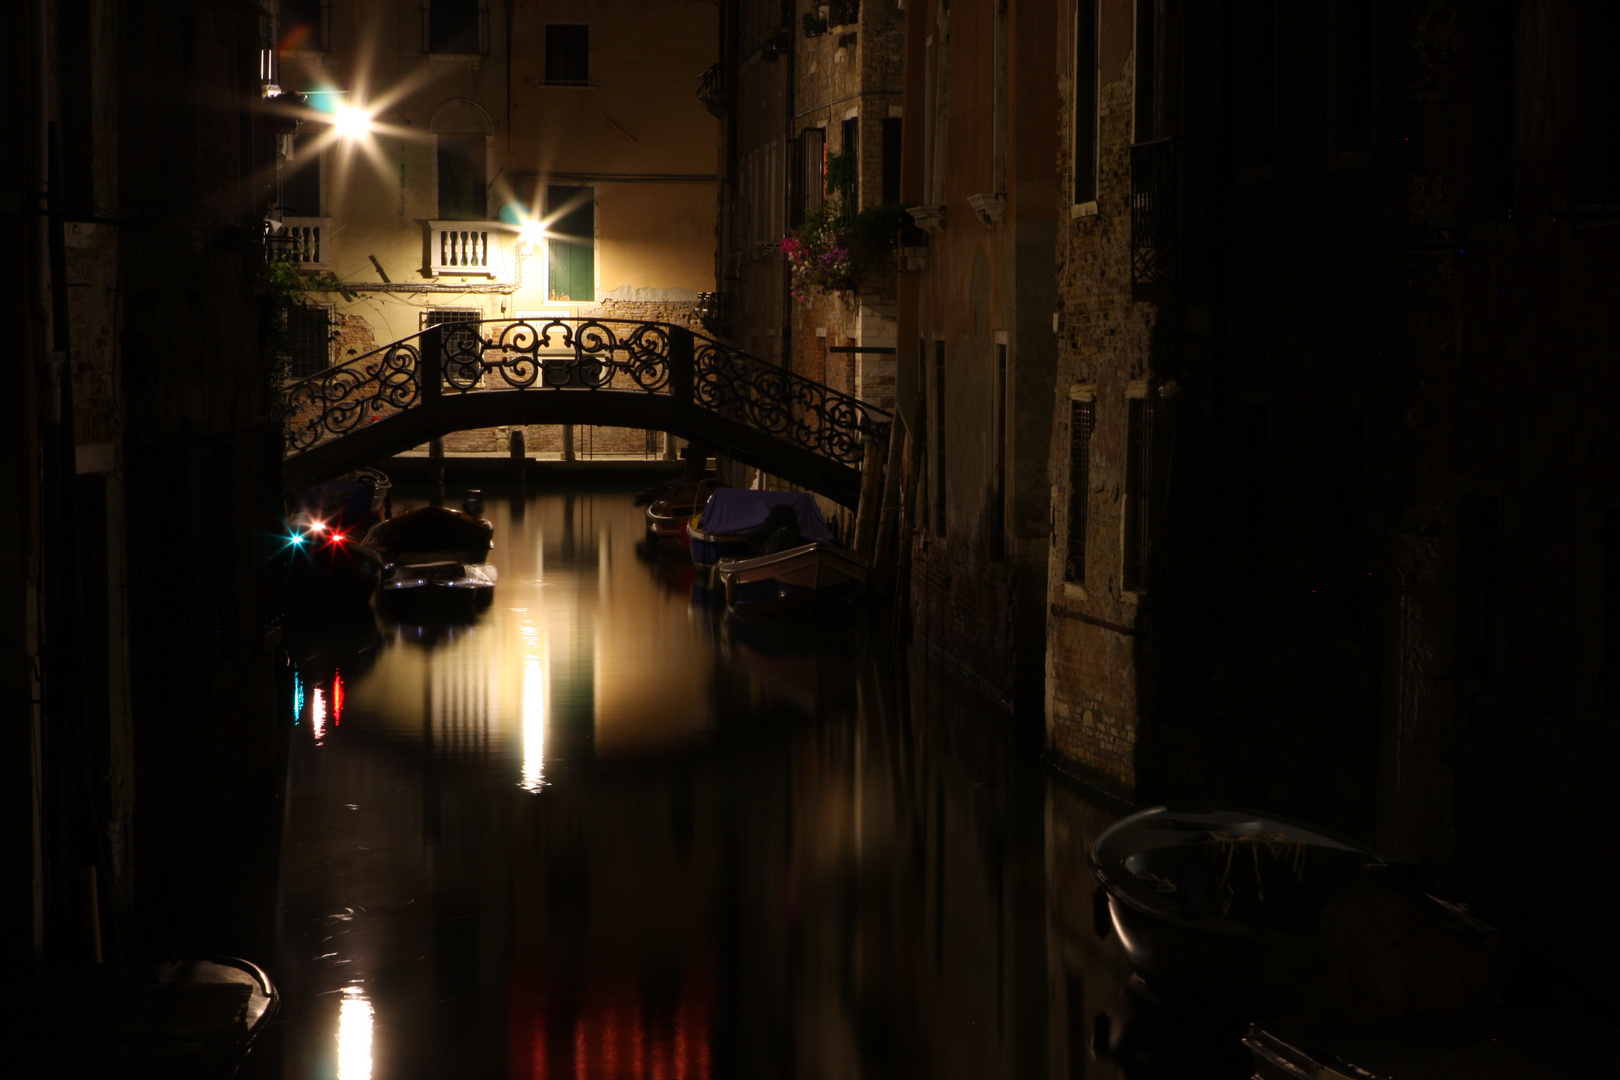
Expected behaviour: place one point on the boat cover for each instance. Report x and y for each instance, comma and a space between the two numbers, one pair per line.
742, 512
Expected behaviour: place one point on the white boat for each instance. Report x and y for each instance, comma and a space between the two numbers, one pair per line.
814, 578
446, 583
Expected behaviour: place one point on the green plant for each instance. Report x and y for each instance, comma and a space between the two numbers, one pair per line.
837, 247
284, 287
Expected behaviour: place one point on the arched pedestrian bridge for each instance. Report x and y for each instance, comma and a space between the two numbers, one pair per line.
611, 372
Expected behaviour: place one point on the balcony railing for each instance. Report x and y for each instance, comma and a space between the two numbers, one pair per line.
471, 248
305, 241
1158, 215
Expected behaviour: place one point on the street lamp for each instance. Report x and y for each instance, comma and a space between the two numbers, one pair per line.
351, 122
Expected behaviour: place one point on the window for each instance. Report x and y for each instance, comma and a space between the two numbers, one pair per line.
568, 54
301, 26
1149, 63
301, 178
891, 159
1138, 489
1082, 421
462, 178
940, 486
851, 136
1085, 101
571, 259
810, 175
454, 27
309, 340
458, 343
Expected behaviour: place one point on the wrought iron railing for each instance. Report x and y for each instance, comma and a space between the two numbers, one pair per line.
1158, 251
579, 355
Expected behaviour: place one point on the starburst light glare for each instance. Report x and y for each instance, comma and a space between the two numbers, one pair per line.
351, 122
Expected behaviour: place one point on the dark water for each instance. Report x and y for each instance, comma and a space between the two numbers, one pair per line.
601, 831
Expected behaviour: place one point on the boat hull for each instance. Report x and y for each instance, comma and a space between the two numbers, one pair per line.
440, 586
709, 548
815, 578
1189, 923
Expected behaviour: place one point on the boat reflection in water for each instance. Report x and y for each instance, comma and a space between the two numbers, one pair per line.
596, 832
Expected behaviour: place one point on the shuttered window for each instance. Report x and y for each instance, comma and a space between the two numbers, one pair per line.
571, 261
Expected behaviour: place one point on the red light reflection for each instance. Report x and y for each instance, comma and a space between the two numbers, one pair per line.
610, 1032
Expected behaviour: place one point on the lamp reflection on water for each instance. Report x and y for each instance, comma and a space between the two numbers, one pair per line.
354, 1035
317, 713
533, 717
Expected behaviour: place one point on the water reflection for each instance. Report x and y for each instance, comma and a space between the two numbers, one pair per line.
354, 1036
599, 832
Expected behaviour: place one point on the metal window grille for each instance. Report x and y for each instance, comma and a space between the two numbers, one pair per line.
1156, 247
458, 342
309, 340
1082, 421
1138, 492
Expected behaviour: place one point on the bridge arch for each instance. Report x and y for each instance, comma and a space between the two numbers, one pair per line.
620, 373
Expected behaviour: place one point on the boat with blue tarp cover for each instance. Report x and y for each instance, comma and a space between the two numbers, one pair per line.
740, 523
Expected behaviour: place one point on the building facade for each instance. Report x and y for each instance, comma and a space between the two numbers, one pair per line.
976, 341
809, 100
138, 602
1333, 492
496, 159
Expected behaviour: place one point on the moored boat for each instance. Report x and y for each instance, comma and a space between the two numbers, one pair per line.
1259, 911
435, 557
446, 583
329, 567
811, 579
739, 523
433, 534
668, 514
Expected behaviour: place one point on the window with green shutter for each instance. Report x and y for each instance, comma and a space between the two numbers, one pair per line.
571, 217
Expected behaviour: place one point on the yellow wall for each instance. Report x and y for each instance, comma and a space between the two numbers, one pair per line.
637, 133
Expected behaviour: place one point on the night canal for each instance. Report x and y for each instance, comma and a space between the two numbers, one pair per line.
599, 830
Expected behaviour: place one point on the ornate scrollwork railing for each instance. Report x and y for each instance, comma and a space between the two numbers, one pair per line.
334, 402
585, 354
772, 399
